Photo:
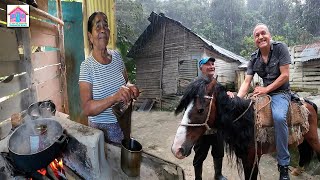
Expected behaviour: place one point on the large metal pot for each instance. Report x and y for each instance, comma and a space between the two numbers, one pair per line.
35, 144
131, 156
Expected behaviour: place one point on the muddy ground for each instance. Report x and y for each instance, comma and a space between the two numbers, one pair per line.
156, 130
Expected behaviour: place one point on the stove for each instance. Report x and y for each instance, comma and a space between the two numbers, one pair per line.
87, 156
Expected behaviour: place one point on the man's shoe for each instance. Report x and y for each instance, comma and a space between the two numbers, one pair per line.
283, 172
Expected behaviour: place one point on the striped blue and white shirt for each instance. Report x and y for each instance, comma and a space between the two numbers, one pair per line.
106, 80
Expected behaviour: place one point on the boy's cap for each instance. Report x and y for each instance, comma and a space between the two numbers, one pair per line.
205, 60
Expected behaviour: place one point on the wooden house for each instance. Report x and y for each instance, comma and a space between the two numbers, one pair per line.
167, 55
305, 67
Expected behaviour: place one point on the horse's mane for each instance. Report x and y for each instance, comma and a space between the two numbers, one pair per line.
195, 89
239, 134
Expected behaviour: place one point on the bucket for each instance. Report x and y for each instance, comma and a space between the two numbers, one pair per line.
131, 157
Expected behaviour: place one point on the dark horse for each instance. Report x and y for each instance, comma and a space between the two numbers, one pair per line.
207, 105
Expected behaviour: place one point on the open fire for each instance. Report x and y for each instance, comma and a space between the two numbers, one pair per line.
54, 170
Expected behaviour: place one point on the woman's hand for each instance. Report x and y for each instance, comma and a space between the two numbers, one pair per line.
124, 95
134, 90
127, 93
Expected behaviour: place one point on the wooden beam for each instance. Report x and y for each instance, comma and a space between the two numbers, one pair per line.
162, 60
9, 46
41, 59
24, 38
48, 88
11, 67
62, 61
14, 104
17, 84
38, 38
44, 74
44, 27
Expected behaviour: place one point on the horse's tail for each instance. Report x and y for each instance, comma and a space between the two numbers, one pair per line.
306, 153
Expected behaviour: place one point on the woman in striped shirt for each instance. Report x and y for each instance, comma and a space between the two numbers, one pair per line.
103, 80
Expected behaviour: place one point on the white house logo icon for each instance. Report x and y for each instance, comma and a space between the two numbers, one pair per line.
18, 15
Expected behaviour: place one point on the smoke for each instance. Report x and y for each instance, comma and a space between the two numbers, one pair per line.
38, 132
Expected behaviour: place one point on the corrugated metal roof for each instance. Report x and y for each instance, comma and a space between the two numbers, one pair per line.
312, 53
155, 19
223, 51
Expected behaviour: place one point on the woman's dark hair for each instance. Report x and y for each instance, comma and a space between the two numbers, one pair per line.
90, 24
91, 18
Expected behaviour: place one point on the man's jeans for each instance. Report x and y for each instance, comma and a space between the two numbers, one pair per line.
280, 106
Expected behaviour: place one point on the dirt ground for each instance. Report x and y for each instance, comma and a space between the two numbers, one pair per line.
156, 130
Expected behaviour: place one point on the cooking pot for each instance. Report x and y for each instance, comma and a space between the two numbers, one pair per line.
42, 109
35, 144
131, 155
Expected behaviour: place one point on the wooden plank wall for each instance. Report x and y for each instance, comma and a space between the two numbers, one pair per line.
304, 76
37, 74
148, 65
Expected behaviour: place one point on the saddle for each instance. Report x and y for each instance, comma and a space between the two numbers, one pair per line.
297, 119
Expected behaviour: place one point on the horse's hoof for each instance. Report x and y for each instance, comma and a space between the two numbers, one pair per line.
297, 171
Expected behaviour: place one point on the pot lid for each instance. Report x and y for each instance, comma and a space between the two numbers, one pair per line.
35, 136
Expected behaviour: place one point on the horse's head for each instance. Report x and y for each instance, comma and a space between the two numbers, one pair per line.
199, 102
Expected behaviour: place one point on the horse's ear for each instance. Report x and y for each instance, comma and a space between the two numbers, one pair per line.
211, 85
179, 108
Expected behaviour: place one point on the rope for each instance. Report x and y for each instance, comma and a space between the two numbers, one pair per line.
243, 112
266, 103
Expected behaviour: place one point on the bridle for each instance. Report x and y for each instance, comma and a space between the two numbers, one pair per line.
207, 119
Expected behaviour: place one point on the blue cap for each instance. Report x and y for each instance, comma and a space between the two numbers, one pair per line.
205, 60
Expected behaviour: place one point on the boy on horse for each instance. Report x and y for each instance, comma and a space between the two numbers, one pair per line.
271, 62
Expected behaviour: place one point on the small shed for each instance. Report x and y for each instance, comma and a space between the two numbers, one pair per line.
167, 55
305, 67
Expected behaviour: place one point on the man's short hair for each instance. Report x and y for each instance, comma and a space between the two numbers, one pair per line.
260, 24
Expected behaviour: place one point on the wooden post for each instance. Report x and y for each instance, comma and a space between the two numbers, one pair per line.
62, 60
24, 39
162, 61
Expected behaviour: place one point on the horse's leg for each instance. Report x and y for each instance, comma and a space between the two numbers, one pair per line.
250, 164
312, 135
310, 143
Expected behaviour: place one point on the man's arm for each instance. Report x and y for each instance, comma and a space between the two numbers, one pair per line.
245, 86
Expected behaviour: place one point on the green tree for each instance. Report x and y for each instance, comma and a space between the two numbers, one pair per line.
311, 16
130, 24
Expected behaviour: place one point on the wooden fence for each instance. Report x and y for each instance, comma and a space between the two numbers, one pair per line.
35, 56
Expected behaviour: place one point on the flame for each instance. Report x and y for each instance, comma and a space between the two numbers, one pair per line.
57, 167
42, 171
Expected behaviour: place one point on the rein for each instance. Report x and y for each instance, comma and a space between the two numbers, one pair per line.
207, 119
243, 112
